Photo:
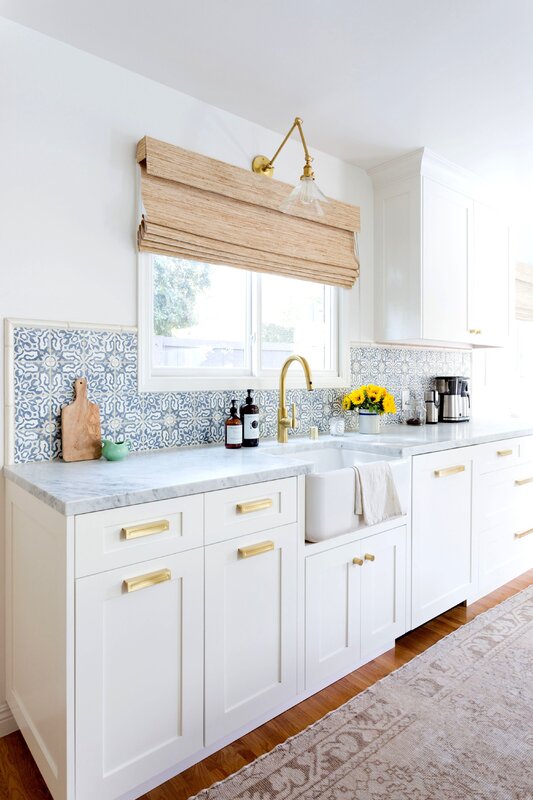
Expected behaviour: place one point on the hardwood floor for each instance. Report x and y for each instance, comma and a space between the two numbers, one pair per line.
21, 780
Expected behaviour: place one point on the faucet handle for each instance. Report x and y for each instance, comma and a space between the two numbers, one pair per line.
294, 420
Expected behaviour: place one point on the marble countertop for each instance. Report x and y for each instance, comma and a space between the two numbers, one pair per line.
79, 488
84, 486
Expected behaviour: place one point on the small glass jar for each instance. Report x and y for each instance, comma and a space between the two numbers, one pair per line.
415, 413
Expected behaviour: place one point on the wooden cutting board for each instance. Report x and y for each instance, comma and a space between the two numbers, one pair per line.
81, 435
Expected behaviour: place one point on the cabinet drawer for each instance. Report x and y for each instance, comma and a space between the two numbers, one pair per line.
249, 509
497, 455
110, 539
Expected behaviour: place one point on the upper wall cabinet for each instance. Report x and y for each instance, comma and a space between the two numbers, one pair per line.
442, 256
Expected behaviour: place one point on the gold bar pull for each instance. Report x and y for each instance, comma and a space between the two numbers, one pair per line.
255, 549
144, 581
523, 481
443, 473
476, 331
358, 561
147, 529
254, 505
505, 452
369, 557
524, 533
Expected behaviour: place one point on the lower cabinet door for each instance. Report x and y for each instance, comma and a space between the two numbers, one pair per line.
383, 588
251, 628
139, 672
442, 564
332, 613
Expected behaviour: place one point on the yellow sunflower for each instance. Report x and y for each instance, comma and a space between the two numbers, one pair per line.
389, 406
346, 402
358, 396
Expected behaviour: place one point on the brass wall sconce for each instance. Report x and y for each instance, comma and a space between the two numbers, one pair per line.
306, 193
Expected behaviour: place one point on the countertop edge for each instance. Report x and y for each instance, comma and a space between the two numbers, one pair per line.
70, 508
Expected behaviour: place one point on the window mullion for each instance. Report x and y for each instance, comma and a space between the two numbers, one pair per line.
255, 321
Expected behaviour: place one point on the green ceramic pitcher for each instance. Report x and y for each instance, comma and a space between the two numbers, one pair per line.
115, 451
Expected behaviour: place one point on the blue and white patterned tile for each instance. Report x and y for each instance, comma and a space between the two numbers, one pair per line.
47, 361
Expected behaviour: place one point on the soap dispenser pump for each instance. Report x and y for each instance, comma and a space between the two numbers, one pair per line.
233, 429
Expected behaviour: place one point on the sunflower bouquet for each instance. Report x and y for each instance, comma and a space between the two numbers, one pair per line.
370, 398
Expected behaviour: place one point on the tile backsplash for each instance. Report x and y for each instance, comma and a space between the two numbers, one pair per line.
46, 361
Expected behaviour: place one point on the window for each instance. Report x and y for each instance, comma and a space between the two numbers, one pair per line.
210, 326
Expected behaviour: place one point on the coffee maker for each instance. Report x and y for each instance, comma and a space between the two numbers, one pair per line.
454, 398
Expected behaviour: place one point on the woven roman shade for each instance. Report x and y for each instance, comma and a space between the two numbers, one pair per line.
524, 292
206, 210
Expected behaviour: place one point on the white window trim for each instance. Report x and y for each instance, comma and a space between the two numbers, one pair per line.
150, 382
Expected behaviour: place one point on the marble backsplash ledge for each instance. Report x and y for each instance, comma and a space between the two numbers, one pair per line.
47, 360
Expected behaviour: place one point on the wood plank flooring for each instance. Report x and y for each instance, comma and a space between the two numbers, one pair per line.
21, 780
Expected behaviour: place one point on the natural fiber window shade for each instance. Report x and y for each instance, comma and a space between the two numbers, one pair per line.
524, 292
205, 210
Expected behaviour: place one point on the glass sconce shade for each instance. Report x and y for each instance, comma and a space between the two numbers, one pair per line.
307, 194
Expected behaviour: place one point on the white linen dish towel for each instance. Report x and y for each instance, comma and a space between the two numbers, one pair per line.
376, 497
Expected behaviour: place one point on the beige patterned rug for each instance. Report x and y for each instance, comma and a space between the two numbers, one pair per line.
455, 723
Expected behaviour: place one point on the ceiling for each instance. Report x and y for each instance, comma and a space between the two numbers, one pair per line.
371, 78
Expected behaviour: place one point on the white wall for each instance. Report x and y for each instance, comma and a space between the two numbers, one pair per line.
69, 126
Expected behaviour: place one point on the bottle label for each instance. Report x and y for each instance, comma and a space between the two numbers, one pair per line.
234, 434
251, 426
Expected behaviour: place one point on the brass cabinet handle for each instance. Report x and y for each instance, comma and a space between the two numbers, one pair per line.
256, 549
505, 452
144, 581
147, 529
443, 473
369, 557
475, 331
358, 561
254, 505
523, 481
524, 533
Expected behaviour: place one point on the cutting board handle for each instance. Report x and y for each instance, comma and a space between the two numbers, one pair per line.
80, 389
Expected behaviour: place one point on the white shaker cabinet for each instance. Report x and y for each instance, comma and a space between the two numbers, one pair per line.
442, 548
488, 279
250, 628
139, 672
355, 603
441, 256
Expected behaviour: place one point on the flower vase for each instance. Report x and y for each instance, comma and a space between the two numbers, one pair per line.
369, 422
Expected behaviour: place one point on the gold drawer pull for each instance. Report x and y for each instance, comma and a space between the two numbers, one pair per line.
505, 452
358, 561
476, 331
256, 549
369, 557
147, 529
524, 533
144, 581
523, 481
443, 473
254, 505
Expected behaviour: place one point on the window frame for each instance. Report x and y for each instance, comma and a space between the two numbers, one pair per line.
154, 379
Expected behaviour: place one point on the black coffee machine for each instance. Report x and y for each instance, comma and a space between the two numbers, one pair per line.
454, 403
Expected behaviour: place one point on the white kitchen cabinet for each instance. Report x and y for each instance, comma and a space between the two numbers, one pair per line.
442, 548
139, 672
382, 591
250, 628
355, 603
442, 257
488, 286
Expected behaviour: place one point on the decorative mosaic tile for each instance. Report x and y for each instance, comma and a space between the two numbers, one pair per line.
48, 360
412, 368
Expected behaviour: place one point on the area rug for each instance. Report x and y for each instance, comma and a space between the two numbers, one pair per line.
455, 723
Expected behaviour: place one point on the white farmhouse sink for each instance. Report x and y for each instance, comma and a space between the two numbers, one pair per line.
330, 488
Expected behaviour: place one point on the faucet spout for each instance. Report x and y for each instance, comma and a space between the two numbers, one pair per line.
284, 421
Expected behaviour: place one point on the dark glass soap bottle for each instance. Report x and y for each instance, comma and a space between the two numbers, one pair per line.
250, 422
233, 429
